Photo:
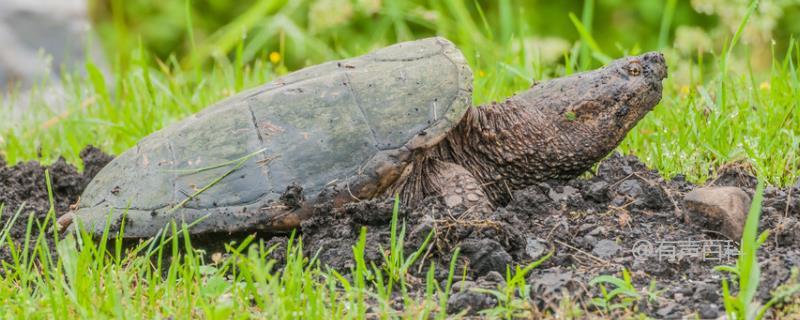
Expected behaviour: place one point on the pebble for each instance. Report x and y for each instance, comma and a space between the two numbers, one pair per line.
535, 248
567, 193
470, 301
606, 249
598, 192
550, 281
722, 209
708, 311
706, 292
462, 285
493, 277
667, 310
631, 188
597, 231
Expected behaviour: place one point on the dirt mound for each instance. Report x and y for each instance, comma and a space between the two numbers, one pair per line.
592, 225
24, 187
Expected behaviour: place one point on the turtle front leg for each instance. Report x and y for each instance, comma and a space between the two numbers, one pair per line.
458, 188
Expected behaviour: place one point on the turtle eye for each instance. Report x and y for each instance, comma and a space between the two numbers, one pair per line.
634, 68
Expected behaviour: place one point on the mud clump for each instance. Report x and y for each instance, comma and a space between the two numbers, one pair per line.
24, 187
591, 225
25, 182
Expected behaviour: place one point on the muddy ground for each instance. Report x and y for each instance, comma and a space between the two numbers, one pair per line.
591, 224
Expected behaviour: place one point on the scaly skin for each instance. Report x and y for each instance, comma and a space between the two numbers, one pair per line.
554, 130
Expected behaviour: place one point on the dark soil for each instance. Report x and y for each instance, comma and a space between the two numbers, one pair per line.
24, 187
591, 224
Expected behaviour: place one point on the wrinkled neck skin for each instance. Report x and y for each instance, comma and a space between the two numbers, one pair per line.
525, 140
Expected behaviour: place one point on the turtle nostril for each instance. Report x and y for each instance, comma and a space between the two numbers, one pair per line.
655, 57
657, 64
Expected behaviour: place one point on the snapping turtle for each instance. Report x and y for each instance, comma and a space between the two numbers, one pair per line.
395, 121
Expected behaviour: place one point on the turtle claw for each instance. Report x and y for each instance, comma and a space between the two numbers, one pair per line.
64, 221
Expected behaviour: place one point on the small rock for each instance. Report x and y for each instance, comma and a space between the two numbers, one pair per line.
736, 175
631, 188
493, 277
471, 301
682, 290
597, 231
420, 232
705, 292
627, 169
585, 227
654, 197
598, 192
567, 193
588, 241
462, 285
535, 248
606, 248
667, 310
618, 201
708, 311
722, 209
787, 231
485, 255
550, 281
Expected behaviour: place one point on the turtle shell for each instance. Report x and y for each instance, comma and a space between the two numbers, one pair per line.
254, 159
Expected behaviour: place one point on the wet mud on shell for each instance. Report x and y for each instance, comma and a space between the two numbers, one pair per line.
591, 224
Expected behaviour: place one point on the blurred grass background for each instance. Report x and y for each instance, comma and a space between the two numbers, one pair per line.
312, 31
172, 58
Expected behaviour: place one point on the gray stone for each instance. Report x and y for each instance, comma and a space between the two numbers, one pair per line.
597, 231
706, 292
550, 281
708, 311
535, 248
631, 188
722, 209
567, 193
667, 310
598, 191
618, 201
470, 301
588, 241
492, 278
606, 249
462, 285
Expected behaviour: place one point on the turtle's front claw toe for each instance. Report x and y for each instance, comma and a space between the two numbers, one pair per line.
64, 221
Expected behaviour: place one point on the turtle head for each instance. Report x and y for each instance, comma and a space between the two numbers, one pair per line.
610, 101
586, 115
558, 128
